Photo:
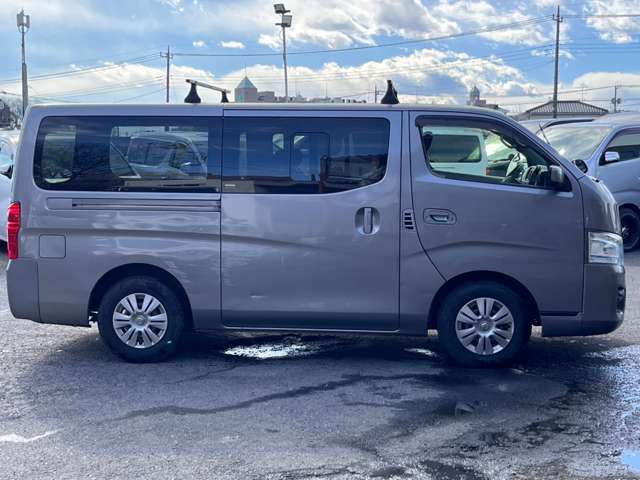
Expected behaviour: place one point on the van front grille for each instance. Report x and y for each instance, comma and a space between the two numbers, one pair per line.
407, 220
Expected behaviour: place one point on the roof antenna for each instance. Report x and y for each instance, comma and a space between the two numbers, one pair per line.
193, 96
391, 95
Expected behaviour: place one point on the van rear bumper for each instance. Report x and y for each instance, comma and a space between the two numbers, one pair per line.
22, 289
603, 305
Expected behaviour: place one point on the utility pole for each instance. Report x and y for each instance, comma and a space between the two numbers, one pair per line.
615, 100
375, 94
168, 56
24, 23
285, 22
558, 20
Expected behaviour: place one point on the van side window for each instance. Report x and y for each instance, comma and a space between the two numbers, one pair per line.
303, 155
58, 146
128, 154
467, 150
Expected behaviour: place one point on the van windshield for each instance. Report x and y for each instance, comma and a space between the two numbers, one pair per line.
575, 142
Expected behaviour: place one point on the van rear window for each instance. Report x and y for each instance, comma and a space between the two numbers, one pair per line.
129, 154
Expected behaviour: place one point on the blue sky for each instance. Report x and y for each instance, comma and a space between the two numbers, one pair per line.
111, 48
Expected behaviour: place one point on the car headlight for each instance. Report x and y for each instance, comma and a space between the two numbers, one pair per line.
605, 248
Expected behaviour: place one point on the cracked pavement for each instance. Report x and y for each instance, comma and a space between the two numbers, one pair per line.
317, 406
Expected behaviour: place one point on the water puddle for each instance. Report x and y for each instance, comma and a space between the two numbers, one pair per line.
631, 459
14, 438
269, 351
422, 351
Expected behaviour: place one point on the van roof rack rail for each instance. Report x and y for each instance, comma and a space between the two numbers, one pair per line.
193, 97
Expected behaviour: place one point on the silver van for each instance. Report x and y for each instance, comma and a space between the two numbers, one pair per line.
302, 217
607, 148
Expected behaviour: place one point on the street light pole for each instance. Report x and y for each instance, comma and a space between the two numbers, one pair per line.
24, 22
168, 56
285, 22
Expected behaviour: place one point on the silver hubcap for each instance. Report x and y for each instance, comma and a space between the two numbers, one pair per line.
140, 320
484, 326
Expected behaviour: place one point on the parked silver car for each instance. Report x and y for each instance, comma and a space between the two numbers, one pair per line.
607, 148
8, 148
341, 218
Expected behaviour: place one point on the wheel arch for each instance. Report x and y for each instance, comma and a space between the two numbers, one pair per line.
630, 206
476, 276
138, 269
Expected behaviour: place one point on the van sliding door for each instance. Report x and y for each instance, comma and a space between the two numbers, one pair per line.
310, 220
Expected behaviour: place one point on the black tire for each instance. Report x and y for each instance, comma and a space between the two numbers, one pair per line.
630, 224
175, 314
457, 299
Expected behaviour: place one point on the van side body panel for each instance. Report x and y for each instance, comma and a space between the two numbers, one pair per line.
177, 232
419, 279
533, 235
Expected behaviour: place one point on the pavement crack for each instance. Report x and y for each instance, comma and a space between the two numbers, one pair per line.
289, 394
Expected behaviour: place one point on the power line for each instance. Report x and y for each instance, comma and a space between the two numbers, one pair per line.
140, 96
79, 71
480, 31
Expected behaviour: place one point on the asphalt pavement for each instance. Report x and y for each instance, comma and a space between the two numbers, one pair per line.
317, 406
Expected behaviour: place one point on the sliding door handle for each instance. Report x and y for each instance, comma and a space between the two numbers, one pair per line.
367, 224
367, 220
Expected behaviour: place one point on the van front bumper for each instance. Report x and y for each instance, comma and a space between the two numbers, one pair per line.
604, 297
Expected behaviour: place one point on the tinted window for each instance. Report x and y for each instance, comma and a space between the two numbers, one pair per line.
482, 152
303, 155
128, 154
449, 145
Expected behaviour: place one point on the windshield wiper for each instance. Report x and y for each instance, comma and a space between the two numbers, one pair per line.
544, 134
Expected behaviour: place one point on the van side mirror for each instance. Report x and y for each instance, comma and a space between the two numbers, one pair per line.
581, 164
610, 157
556, 176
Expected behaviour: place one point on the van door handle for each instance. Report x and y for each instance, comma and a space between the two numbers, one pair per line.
367, 224
367, 220
439, 216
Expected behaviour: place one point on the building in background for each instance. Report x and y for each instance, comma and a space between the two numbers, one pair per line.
475, 101
5, 115
247, 92
566, 109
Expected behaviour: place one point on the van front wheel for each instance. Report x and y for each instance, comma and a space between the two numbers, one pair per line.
483, 324
141, 320
630, 226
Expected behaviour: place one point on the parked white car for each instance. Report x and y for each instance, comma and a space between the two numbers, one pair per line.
8, 147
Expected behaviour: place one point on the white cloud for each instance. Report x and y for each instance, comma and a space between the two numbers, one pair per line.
232, 44
483, 14
614, 29
199, 43
429, 73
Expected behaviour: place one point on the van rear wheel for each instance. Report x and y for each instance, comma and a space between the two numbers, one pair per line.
483, 324
141, 320
630, 226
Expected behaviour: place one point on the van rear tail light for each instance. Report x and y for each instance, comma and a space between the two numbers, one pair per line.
13, 230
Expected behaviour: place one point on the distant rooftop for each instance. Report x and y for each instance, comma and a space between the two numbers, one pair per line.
567, 107
246, 83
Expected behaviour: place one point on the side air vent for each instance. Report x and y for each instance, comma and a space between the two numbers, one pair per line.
407, 219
